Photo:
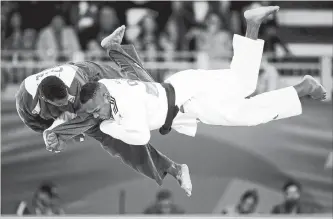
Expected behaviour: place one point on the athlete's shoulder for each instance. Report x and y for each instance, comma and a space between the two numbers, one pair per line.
22, 95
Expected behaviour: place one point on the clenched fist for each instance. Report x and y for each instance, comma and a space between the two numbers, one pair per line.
52, 142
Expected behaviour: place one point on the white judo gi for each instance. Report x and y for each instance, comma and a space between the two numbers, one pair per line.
215, 97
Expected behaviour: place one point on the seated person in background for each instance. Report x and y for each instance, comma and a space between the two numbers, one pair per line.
168, 40
215, 40
57, 40
94, 51
148, 38
164, 204
247, 205
46, 201
292, 195
14, 40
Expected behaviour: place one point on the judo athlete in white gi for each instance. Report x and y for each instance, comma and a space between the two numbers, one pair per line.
131, 109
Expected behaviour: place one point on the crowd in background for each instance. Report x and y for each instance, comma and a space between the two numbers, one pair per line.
46, 201
292, 204
56, 30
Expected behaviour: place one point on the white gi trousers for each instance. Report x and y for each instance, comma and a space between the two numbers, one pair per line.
218, 97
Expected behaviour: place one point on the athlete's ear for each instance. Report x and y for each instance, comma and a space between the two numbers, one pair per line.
106, 98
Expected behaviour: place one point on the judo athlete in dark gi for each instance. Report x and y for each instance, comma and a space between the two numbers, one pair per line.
41, 109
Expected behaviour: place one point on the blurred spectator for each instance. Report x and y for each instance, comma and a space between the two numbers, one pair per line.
292, 195
164, 204
7, 9
148, 38
29, 56
14, 44
46, 200
14, 39
24, 52
268, 79
215, 40
237, 24
67, 10
18, 39
168, 40
94, 51
108, 22
84, 15
247, 205
182, 17
57, 40
29, 39
223, 10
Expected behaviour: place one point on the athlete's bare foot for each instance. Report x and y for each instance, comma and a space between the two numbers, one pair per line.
184, 179
317, 91
115, 37
310, 86
254, 18
258, 15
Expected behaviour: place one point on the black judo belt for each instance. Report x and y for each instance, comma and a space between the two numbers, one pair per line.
172, 108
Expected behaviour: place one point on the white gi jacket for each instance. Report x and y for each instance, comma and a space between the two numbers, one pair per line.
139, 107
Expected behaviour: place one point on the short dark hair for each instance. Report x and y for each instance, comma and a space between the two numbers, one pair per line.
250, 193
48, 188
88, 91
163, 195
290, 183
53, 88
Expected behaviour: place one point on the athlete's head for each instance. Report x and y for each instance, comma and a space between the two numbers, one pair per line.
95, 100
54, 91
